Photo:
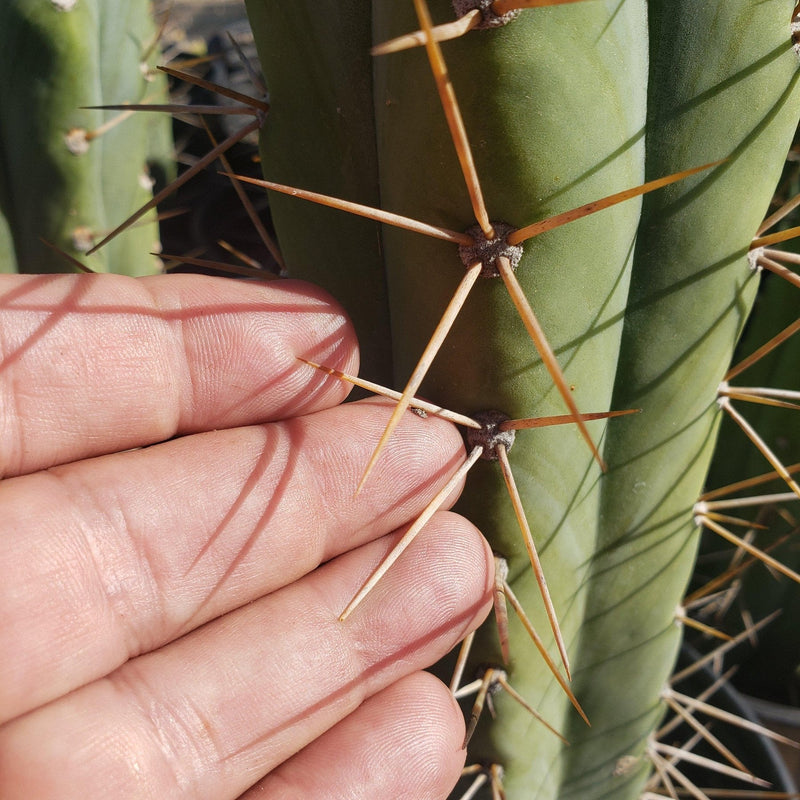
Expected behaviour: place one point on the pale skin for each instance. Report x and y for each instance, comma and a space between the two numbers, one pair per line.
173, 478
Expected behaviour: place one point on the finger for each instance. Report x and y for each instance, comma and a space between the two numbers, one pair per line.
404, 743
135, 549
93, 364
210, 714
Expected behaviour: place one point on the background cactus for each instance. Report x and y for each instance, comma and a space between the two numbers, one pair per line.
563, 105
65, 177
771, 670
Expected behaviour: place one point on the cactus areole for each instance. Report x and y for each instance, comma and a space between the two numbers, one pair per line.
641, 303
489, 17
490, 436
487, 251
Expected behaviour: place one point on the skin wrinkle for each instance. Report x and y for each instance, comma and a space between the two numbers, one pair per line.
57, 313
64, 569
9, 464
228, 554
174, 333
155, 343
123, 774
9, 412
321, 478
52, 316
50, 568
210, 343
126, 577
164, 729
262, 460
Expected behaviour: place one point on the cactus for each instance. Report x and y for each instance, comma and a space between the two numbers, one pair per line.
772, 670
642, 303
70, 173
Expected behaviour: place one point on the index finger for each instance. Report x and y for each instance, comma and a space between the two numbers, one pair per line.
91, 364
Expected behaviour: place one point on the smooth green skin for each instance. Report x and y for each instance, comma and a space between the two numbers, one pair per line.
643, 311
55, 63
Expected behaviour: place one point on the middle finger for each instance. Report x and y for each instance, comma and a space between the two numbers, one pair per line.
133, 550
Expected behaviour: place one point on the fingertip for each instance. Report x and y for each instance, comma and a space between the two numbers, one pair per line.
403, 742
429, 599
418, 447
292, 322
332, 337
429, 732
459, 566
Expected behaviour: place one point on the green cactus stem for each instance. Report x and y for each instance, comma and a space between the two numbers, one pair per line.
642, 303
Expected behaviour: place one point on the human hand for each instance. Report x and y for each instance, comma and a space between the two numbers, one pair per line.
166, 629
